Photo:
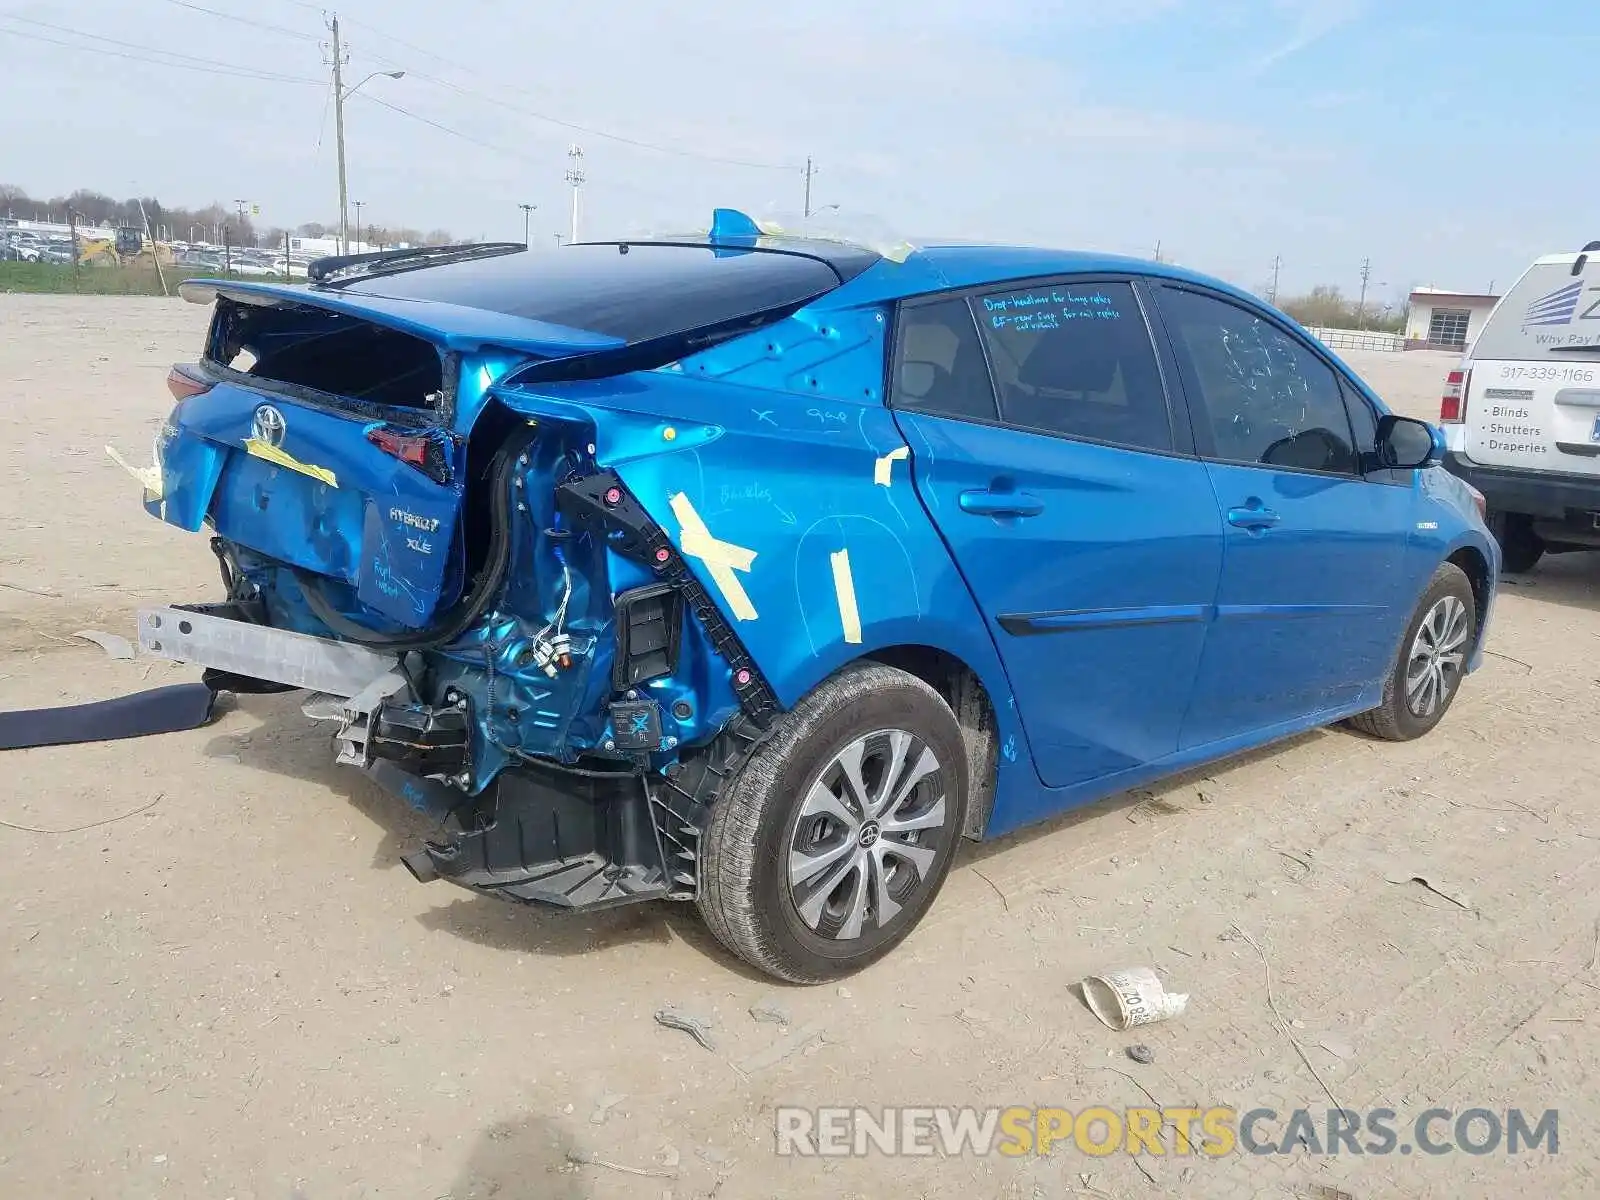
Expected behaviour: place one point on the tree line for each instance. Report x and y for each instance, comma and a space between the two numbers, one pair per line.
1329, 308
213, 223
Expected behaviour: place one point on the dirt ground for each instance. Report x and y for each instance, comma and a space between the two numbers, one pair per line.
224, 984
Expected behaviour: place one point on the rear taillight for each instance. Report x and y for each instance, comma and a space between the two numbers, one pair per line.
423, 451
182, 382
1452, 407
1478, 500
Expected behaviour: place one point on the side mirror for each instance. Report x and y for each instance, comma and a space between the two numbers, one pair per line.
1406, 444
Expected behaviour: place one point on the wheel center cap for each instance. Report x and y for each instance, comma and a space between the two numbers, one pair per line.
868, 837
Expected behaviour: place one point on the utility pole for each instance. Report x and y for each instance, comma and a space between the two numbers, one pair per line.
575, 177
1277, 265
1158, 250
240, 206
356, 204
1361, 305
527, 217
810, 171
338, 122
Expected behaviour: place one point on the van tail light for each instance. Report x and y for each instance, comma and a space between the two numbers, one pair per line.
183, 382
1453, 405
1478, 499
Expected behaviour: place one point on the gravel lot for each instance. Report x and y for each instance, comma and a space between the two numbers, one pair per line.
237, 991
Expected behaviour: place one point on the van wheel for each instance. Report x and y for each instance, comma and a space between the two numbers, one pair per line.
834, 838
1520, 546
1432, 661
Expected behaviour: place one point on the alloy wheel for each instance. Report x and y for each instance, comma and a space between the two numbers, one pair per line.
1437, 658
867, 835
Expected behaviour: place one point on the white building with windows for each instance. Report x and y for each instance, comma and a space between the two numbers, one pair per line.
1441, 320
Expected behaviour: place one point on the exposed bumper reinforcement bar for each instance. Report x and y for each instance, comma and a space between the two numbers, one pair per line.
260, 651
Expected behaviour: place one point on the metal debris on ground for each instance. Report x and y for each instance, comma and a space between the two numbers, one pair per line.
1142, 1054
1438, 887
584, 1159
114, 646
770, 1012
1131, 996
780, 1050
696, 1027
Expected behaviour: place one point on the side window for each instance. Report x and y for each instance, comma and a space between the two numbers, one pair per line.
1076, 359
939, 364
1266, 397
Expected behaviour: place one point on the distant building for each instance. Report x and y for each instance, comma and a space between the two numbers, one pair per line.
1441, 320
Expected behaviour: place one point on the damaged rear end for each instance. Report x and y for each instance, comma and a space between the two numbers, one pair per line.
416, 477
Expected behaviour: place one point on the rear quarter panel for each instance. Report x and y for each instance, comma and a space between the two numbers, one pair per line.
773, 465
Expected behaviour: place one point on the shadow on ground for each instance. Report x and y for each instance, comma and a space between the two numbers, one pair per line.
521, 1159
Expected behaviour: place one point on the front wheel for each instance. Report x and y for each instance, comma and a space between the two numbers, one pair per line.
1427, 674
834, 838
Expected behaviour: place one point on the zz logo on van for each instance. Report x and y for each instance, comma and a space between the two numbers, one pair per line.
1557, 308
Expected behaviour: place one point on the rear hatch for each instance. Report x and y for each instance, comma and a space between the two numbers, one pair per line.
1533, 392
329, 428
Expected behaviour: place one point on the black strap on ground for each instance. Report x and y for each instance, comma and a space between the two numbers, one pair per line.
167, 709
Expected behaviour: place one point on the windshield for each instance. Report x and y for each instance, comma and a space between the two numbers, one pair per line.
1550, 314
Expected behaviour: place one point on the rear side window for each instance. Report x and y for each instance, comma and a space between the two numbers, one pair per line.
1265, 397
1550, 315
939, 363
1076, 359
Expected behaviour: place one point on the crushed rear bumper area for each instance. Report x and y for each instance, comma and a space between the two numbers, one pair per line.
539, 833
577, 840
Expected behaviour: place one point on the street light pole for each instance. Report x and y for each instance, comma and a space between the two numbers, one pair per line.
575, 177
527, 216
340, 95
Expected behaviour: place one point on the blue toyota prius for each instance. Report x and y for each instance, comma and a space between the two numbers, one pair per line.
758, 570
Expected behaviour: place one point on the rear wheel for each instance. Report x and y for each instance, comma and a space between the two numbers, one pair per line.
835, 837
1520, 547
1427, 674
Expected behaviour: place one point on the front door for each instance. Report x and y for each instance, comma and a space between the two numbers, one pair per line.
1088, 536
1306, 616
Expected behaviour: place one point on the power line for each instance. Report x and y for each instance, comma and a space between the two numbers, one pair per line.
280, 29
591, 130
180, 62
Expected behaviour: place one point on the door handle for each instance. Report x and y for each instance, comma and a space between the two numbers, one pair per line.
1252, 517
981, 502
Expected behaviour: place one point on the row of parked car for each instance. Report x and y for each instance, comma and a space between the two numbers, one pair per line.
240, 260
26, 246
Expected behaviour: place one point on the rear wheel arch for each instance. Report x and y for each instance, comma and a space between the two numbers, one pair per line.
964, 691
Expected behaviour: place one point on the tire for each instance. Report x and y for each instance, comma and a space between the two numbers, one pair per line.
1520, 547
795, 877
1440, 632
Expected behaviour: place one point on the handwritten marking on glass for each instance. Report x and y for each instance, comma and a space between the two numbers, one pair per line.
1041, 309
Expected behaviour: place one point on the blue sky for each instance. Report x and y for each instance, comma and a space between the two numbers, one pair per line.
1442, 141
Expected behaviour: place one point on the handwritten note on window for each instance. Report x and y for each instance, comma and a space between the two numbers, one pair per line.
1040, 309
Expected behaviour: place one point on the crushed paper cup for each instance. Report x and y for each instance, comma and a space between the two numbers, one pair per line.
1129, 997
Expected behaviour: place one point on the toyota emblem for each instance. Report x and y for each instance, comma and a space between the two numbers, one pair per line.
268, 426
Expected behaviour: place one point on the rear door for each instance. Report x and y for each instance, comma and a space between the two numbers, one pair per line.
1082, 522
1533, 395
1308, 610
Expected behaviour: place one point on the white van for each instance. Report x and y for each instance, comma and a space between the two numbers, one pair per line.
1521, 415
